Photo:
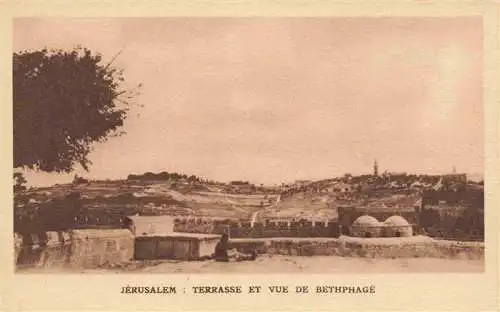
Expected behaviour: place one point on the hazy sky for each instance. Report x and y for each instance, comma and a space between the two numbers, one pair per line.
279, 99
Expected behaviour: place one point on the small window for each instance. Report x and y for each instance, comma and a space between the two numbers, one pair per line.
398, 234
368, 234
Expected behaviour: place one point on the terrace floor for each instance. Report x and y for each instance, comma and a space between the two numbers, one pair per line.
293, 264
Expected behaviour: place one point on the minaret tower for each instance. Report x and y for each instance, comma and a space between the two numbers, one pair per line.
375, 168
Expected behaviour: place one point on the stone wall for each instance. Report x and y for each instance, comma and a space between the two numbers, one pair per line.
177, 246
410, 247
83, 249
47, 249
402, 247
364, 231
101, 248
244, 229
288, 246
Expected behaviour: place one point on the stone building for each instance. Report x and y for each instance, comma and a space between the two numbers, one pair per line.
397, 226
366, 226
154, 238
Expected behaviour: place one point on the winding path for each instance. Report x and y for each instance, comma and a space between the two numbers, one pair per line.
255, 215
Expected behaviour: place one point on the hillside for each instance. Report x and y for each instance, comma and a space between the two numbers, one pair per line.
319, 200
191, 196
153, 197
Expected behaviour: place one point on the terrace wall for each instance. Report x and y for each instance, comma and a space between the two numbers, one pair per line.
413, 247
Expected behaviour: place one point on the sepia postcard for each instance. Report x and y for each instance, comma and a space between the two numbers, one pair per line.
329, 156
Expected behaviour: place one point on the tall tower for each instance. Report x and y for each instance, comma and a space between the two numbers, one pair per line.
375, 168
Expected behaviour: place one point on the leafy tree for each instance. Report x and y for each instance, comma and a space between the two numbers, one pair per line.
19, 182
133, 177
163, 175
64, 101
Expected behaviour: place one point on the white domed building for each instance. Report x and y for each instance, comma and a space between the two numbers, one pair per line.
397, 226
366, 226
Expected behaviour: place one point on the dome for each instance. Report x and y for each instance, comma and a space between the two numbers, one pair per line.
366, 221
396, 221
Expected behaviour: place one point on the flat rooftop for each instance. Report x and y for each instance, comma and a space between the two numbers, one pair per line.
181, 235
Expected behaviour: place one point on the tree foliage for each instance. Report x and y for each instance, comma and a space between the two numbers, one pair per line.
19, 182
163, 176
63, 102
